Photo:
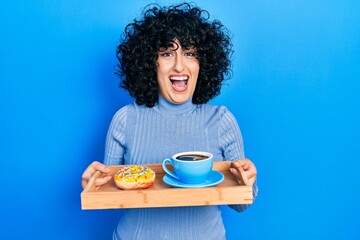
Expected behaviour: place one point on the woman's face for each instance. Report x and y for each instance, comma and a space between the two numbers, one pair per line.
177, 73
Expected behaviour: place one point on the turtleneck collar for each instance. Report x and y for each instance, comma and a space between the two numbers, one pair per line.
164, 106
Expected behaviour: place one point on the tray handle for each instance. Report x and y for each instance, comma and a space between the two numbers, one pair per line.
91, 184
244, 178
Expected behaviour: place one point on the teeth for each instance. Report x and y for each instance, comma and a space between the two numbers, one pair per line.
178, 78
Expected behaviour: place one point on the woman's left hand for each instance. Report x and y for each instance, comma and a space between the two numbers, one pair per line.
248, 168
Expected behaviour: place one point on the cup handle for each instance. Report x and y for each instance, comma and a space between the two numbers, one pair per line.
170, 173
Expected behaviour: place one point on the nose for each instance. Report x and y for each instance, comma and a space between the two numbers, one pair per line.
179, 64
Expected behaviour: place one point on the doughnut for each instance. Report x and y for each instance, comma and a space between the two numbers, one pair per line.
134, 177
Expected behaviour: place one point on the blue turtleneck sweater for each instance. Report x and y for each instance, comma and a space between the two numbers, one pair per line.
139, 135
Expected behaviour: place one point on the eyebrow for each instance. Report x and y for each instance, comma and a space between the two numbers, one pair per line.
173, 48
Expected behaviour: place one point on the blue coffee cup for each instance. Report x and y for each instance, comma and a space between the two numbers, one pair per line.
190, 167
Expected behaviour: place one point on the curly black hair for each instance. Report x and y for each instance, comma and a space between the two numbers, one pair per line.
159, 27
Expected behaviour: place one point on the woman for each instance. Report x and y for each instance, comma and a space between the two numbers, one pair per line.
173, 62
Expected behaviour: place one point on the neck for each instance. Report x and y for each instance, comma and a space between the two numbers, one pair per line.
163, 105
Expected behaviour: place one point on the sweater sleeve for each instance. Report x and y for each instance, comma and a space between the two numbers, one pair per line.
232, 145
115, 139
230, 137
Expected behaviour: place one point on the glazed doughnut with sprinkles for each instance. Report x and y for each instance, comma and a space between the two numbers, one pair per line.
134, 177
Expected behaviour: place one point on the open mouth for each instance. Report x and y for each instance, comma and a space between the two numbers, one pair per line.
179, 83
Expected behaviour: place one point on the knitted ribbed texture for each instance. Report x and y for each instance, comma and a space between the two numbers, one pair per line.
139, 135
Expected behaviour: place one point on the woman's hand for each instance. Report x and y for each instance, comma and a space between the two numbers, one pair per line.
89, 172
247, 167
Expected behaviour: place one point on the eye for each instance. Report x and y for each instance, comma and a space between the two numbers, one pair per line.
190, 54
165, 54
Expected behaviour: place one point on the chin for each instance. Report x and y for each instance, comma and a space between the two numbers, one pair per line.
179, 100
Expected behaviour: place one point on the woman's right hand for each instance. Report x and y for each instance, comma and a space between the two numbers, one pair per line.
89, 172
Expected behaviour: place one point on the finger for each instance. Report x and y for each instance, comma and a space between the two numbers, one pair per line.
244, 163
84, 183
237, 175
100, 167
245, 167
93, 167
252, 179
90, 170
251, 175
102, 181
248, 175
235, 164
236, 170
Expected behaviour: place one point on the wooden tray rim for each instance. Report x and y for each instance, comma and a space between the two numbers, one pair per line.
160, 195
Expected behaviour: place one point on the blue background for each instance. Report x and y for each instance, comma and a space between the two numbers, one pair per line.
294, 91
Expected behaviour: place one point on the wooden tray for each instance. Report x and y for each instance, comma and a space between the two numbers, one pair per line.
160, 194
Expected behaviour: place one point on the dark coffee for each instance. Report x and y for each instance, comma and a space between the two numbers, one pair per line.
191, 157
